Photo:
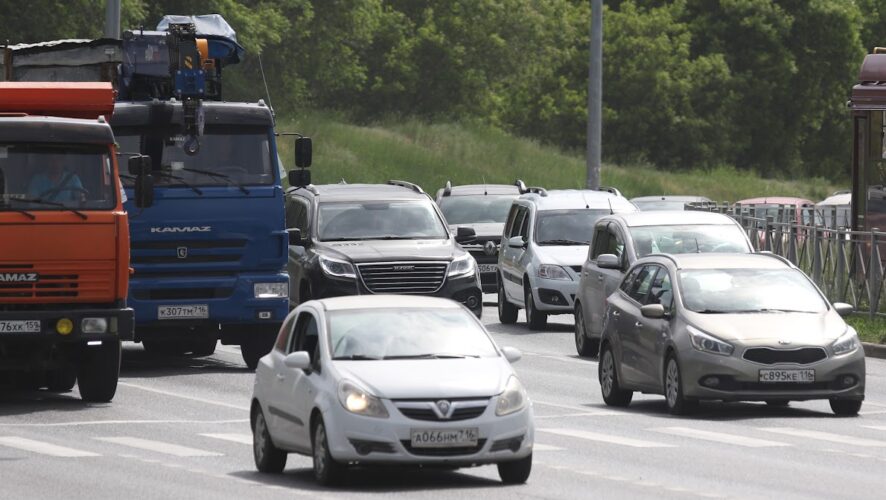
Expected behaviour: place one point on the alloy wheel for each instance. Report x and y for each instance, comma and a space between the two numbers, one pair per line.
607, 368
672, 382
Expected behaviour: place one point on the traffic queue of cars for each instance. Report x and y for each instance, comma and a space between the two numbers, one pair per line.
675, 302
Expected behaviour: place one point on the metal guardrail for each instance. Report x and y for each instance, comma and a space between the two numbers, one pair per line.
848, 266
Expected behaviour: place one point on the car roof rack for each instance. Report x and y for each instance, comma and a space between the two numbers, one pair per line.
414, 187
521, 186
537, 190
610, 189
447, 189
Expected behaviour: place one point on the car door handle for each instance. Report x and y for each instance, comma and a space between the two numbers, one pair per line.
599, 277
616, 313
638, 324
281, 378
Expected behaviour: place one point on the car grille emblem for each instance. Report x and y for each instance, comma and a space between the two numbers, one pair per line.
489, 248
444, 408
784, 342
182, 252
404, 268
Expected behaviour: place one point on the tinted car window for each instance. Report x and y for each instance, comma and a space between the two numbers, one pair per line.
379, 220
476, 209
517, 221
642, 284
629, 279
284, 335
600, 242
564, 227
695, 238
297, 214
661, 291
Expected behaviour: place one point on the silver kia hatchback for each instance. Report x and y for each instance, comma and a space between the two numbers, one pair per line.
730, 327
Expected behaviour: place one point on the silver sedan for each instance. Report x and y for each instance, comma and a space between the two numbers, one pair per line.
734, 327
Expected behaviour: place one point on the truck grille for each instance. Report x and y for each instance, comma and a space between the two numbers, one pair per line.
403, 277
802, 356
58, 282
187, 251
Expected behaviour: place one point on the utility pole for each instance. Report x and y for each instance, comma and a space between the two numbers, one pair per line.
595, 95
112, 19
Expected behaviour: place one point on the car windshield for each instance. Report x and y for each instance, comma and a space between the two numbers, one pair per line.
477, 209
748, 291
651, 205
56, 177
228, 156
699, 238
379, 220
567, 227
407, 333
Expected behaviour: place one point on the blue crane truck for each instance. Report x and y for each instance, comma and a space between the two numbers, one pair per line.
209, 245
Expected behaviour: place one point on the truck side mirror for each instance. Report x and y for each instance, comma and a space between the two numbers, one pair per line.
299, 178
144, 191
140, 165
303, 152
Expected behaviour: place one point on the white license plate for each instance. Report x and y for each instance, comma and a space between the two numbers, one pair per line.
487, 268
199, 311
21, 326
788, 376
444, 438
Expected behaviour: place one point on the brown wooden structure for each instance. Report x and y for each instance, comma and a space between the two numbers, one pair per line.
868, 105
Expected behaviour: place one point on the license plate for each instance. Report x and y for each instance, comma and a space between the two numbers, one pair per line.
200, 311
488, 268
444, 438
787, 376
21, 326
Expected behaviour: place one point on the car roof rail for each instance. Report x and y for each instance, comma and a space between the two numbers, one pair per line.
537, 190
776, 256
447, 189
409, 185
521, 186
610, 189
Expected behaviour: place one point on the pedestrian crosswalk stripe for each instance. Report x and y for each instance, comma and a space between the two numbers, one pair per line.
825, 436
43, 448
606, 438
719, 437
237, 438
159, 447
545, 447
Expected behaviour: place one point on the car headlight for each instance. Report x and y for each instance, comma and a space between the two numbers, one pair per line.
847, 342
704, 342
513, 399
270, 290
357, 400
462, 266
337, 268
552, 272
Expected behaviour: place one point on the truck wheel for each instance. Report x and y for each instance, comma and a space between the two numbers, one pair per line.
99, 371
204, 344
253, 348
62, 379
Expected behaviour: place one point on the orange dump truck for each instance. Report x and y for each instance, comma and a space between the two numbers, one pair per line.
64, 239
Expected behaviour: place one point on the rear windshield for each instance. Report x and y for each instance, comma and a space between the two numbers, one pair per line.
476, 209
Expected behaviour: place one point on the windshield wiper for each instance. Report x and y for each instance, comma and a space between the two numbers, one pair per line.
225, 177
768, 310
714, 311
50, 203
562, 242
432, 356
357, 357
180, 181
6, 207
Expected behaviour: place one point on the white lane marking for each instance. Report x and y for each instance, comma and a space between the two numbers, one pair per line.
44, 448
159, 447
546, 447
237, 438
228, 350
184, 396
875, 427
873, 412
719, 437
119, 422
606, 438
825, 436
583, 409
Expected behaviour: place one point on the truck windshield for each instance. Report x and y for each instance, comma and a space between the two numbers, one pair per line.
57, 177
228, 156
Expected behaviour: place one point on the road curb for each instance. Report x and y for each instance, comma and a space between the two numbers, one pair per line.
874, 350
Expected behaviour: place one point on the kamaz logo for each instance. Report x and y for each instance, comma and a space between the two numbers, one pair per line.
186, 229
19, 277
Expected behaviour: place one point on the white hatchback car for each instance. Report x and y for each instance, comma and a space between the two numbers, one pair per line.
384, 379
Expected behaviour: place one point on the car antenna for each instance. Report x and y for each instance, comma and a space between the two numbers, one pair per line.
485, 191
585, 198
611, 211
267, 92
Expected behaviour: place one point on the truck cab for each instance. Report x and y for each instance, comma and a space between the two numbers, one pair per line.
64, 250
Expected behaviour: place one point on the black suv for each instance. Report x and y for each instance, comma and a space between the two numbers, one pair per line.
352, 239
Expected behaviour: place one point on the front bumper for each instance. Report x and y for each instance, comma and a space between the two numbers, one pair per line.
229, 298
488, 266
463, 289
740, 379
120, 325
554, 296
512, 436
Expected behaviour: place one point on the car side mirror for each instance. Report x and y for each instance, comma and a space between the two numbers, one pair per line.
516, 242
144, 191
608, 261
844, 309
295, 238
512, 354
300, 360
303, 152
654, 311
465, 235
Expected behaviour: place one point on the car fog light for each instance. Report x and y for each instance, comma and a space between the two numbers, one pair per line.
64, 326
711, 381
848, 381
472, 302
94, 325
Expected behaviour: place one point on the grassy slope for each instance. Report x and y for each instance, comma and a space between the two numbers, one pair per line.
431, 154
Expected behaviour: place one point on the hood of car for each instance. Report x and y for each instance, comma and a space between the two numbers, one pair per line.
429, 378
774, 329
385, 250
573, 255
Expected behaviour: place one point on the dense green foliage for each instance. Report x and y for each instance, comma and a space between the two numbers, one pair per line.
473, 153
757, 84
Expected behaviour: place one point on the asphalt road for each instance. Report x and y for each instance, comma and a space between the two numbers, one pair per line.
178, 428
